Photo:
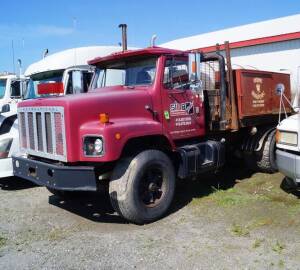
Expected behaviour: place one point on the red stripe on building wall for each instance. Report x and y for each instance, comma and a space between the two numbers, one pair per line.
253, 42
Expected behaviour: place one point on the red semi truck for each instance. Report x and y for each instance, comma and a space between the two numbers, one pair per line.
172, 114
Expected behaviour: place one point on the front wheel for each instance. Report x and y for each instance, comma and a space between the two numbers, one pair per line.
142, 188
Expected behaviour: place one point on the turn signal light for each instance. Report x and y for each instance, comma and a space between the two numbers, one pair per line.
194, 66
104, 118
277, 136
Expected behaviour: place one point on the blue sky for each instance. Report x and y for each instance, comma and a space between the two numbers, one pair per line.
57, 25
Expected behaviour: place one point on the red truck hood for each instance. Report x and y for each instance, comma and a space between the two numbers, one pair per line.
82, 109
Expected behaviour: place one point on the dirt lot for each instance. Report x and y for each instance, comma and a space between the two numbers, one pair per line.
234, 220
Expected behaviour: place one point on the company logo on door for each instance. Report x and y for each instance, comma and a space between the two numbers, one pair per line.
185, 108
258, 94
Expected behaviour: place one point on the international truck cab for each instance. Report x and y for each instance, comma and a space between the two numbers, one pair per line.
168, 114
62, 73
72, 80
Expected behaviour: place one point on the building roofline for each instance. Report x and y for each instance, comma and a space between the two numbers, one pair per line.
253, 42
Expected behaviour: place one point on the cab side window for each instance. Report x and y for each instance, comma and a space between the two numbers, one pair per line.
87, 77
176, 73
16, 89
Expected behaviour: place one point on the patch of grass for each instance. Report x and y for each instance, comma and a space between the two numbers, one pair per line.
281, 264
294, 209
239, 230
56, 234
231, 197
3, 241
278, 247
261, 222
149, 243
257, 243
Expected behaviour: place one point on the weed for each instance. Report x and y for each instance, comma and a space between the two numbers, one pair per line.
281, 264
257, 243
278, 247
56, 234
3, 241
239, 230
261, 222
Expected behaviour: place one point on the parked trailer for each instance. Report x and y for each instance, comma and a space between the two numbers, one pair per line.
170, 115
272, 45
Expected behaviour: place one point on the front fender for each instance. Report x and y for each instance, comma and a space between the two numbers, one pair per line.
127, 128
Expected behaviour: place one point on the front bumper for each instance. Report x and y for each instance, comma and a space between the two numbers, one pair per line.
6, 167
289, 164
72, 178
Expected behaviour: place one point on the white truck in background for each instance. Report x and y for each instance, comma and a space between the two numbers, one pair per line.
65, 72
11, 89
288, 150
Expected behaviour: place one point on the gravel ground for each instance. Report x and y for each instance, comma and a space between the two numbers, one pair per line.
234, 220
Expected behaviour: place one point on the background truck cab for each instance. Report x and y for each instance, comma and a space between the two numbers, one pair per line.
11, 90
65, 72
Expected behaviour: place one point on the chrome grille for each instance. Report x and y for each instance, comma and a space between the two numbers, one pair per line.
42, 132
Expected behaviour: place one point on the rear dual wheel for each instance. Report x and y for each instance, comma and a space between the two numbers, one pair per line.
142, 188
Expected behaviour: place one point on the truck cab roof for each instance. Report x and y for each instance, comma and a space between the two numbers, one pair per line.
129, 54
69, 58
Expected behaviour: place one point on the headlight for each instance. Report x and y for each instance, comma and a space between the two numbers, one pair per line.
93, 146
286, 137
5, 147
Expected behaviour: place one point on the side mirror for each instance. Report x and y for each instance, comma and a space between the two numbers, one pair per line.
5, 108
194, 66
279, 89
195, 72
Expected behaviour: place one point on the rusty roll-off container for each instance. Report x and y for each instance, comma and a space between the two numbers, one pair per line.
256, 94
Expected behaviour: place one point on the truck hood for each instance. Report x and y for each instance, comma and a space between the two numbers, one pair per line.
291, 123
80, 110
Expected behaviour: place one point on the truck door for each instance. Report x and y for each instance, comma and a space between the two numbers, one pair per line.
183, 113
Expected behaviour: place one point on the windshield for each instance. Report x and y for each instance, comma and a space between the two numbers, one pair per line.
128, 73
2, 88
45, 77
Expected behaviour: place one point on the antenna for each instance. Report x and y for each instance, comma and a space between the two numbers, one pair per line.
46, 51
74, 23
13, 55
20, 67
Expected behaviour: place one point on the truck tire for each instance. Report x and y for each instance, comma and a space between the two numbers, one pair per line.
266, 158
142, 188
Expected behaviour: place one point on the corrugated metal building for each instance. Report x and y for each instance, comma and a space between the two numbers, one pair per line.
269, 45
